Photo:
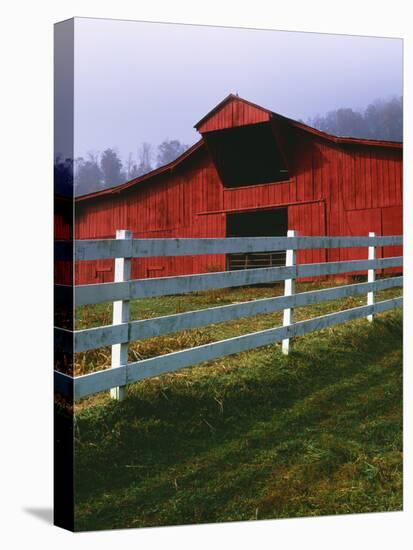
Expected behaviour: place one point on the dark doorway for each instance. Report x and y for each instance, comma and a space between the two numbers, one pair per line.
264, 223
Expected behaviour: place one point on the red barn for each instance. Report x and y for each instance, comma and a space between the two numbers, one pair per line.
252, 173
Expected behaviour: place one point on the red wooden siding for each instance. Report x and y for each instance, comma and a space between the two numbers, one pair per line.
63, 213
334, 188
392, 224
232, 114
308, 219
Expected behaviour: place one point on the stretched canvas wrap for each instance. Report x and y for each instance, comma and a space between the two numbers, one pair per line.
228, 274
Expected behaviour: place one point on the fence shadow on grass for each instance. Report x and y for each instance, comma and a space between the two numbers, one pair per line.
252, 436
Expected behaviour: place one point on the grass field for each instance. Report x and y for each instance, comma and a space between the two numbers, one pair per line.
253, 436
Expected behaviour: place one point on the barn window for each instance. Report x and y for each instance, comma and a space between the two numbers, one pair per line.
265, 223
248, 155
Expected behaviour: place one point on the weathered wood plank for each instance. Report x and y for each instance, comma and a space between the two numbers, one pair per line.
63, 384
100, 337
333, 268
173, 361
144, 248
102, 249
182, 284
146, 328
99, 381
101, 292
64, 340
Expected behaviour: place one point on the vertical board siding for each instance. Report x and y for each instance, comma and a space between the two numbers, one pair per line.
233, 114
392, 222
63, 269
309, 220
358, 222
332, 190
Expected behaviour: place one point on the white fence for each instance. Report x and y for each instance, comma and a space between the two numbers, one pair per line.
122, 290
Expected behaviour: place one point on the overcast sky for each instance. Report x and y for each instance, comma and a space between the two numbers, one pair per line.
138, 81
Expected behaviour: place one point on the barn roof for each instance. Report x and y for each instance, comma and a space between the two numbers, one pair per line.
257, 110
232, 98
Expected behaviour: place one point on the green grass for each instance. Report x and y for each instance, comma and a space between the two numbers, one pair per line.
253, 436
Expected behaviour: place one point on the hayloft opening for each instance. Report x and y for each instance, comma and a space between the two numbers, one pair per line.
248, 155
264, 223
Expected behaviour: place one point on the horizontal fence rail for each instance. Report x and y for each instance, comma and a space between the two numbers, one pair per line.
101, 249
183, 284
121, 334
93, 338
88, 384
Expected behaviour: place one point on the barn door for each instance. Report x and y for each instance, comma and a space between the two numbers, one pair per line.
308, 220
260, 223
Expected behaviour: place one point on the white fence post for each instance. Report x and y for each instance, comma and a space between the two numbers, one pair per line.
289, 289
121, 315
371, 276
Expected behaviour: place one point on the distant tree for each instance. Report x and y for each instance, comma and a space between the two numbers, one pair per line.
100, 171
145, 155
341, 122
169, 150
88, 175
111, 167
380, 120
131, 168
63, 175
384, 119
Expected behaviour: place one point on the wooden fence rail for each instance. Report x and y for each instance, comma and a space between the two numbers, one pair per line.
146, 248
182, 284
122, 331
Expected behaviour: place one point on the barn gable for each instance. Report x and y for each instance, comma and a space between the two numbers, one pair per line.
243, 144
232, 112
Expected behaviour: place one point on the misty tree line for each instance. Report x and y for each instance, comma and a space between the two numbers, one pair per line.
382, 119
102, 170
